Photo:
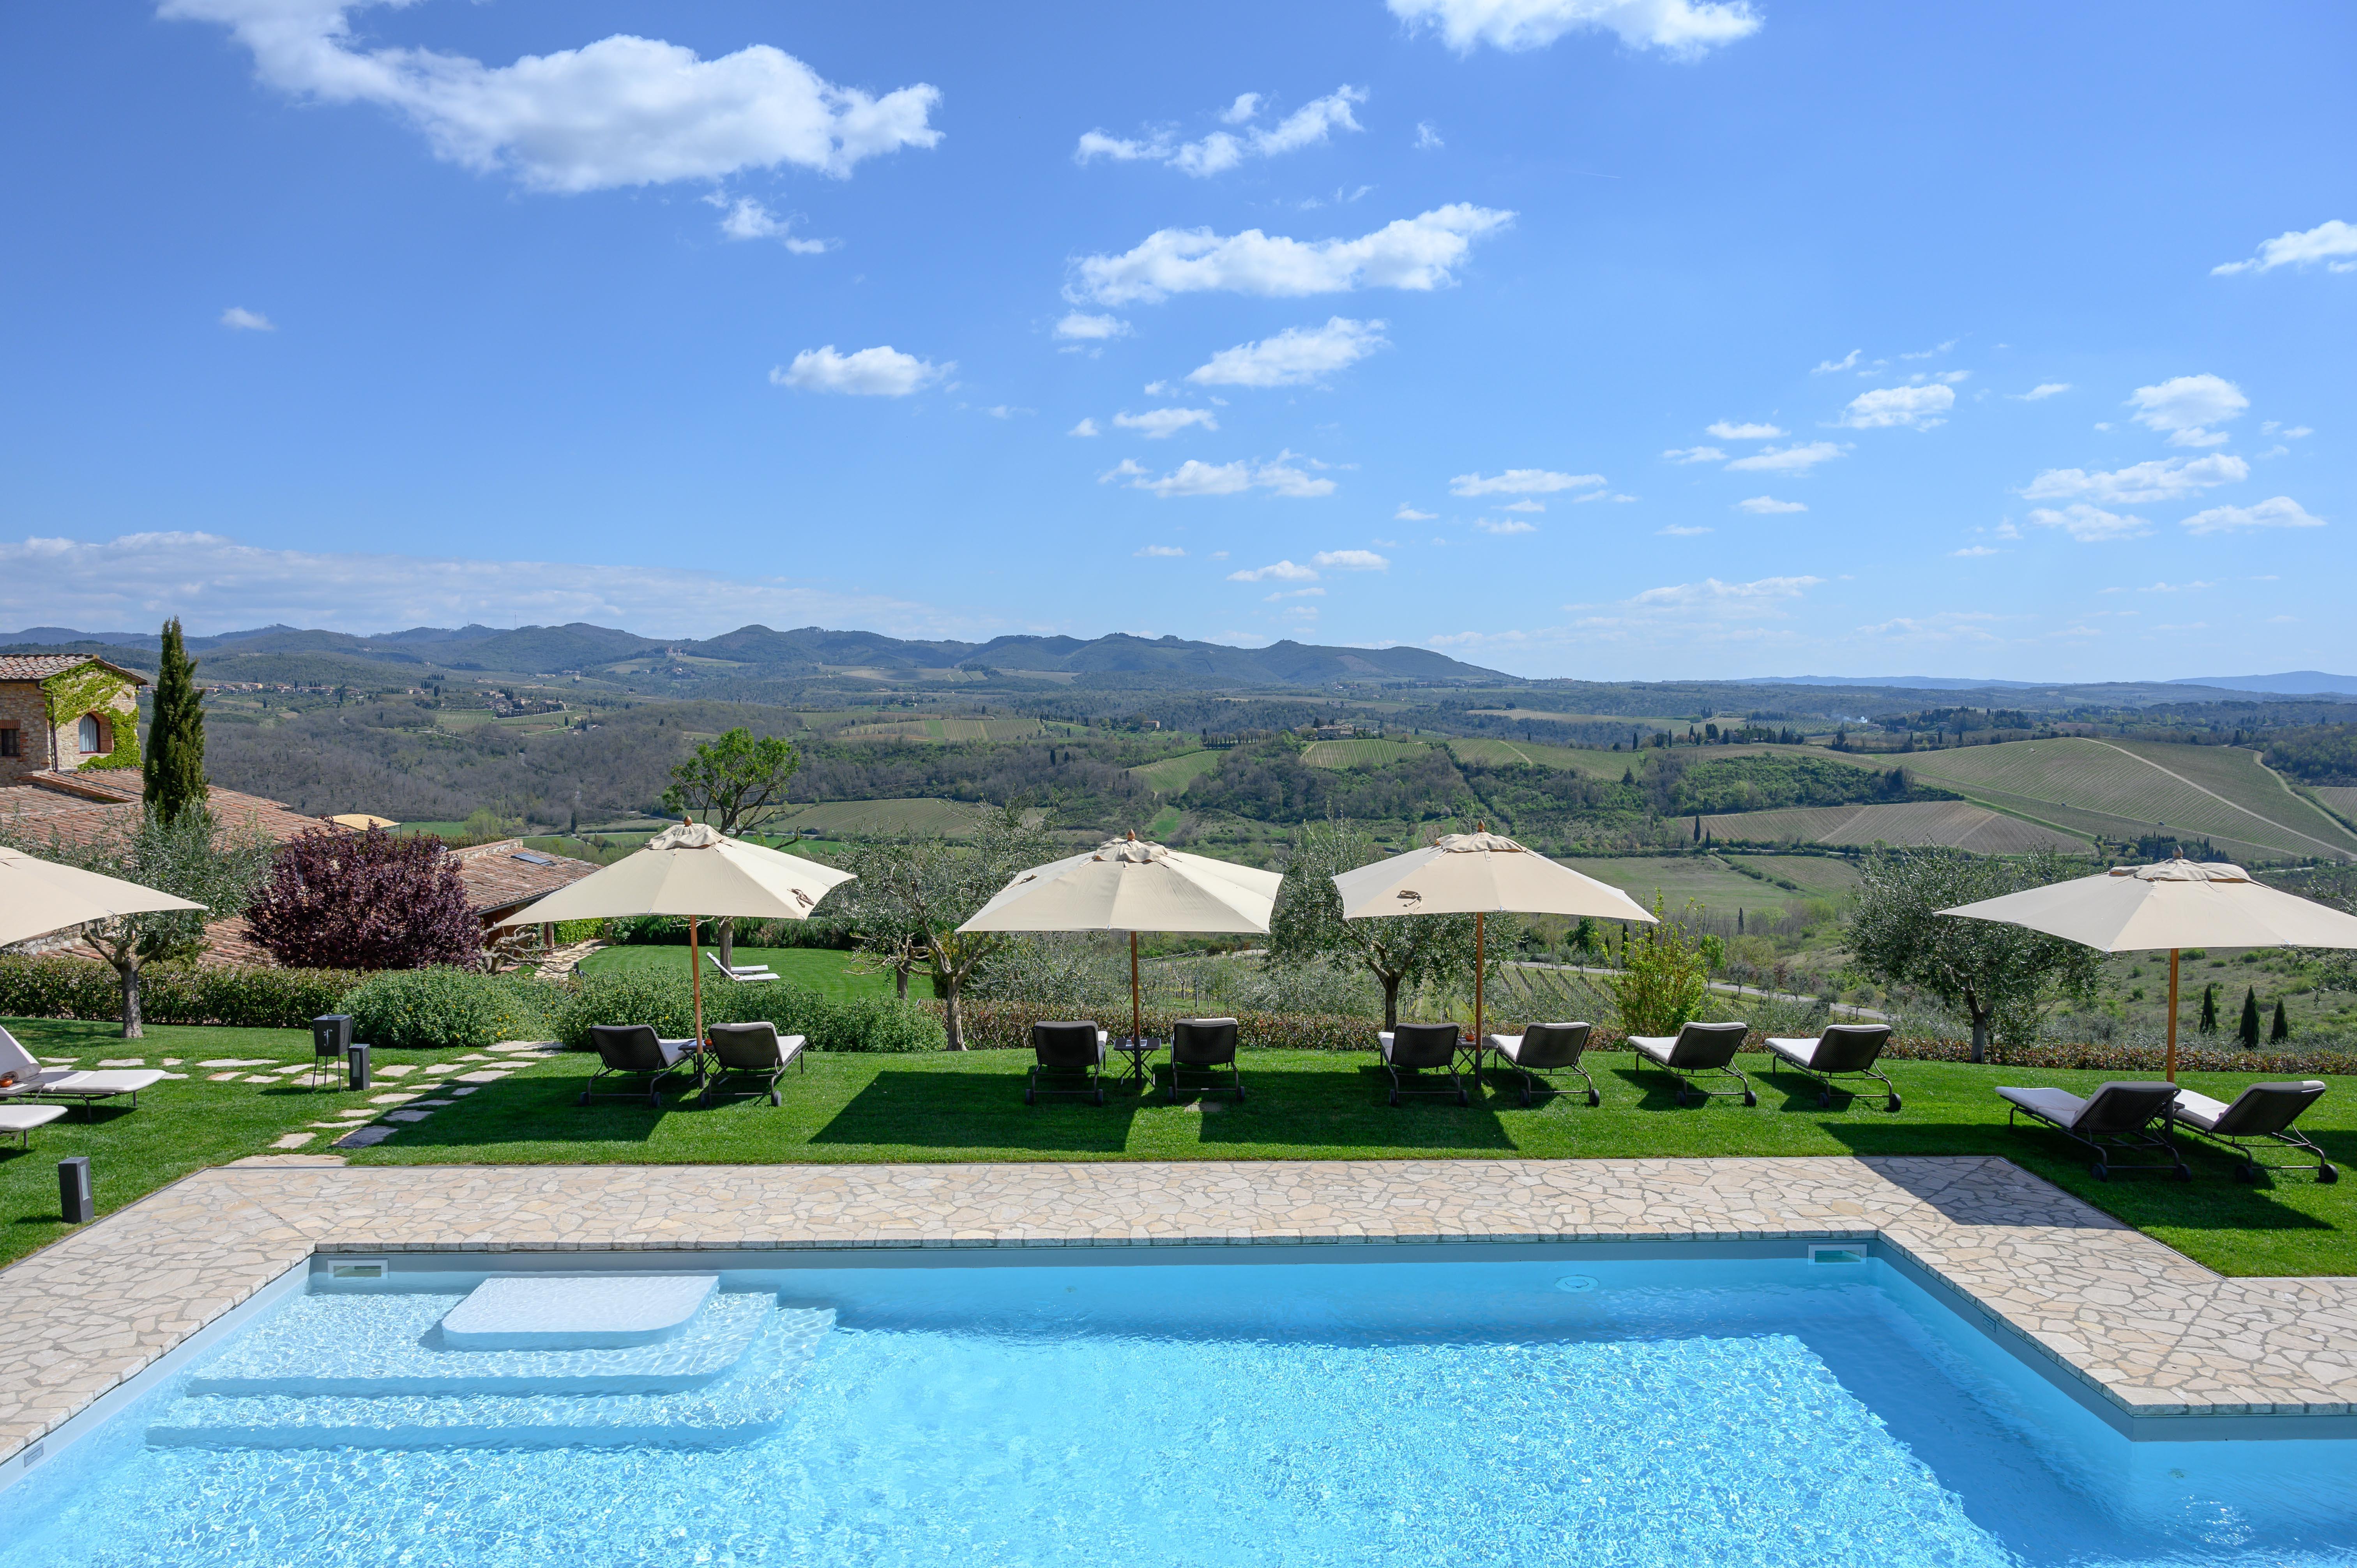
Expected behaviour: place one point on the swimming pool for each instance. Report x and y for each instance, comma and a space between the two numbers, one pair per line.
1529, 1405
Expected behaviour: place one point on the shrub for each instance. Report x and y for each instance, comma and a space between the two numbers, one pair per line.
55, 986
365, 901
888, 1023
446, 1006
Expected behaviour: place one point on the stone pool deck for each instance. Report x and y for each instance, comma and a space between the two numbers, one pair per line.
2139, 1325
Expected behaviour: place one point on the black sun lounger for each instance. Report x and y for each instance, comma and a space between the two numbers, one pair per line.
753, 1051
2261, 1114
1843, 1050
1411, 1048
1542, 1049
1067, 1049
633, 1050
1696, 1048
2118, 1117
1205, 1046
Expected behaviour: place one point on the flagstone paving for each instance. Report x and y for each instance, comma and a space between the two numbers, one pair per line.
2140, 1325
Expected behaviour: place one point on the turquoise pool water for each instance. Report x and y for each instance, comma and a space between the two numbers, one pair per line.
1548, 1410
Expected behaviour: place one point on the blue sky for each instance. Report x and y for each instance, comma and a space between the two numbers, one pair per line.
1630, 340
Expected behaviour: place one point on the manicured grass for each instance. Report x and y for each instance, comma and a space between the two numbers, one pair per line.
1311, 1105
825, 970
179, 1125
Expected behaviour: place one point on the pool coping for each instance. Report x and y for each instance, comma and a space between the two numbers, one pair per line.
2158, 1344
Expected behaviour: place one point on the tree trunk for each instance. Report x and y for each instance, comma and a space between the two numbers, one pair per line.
900, 980
953, 1020
1980, 1034
727, 930
129, 971
1391, 1000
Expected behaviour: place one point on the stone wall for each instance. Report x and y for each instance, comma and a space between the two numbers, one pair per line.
25, 705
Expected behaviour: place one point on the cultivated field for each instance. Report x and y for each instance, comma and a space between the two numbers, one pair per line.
2126, 788
1822, 875
1584, 761
1360, 753
2340, 797
1959, 824
882, 819
917, 728
1678, 877
1173, 774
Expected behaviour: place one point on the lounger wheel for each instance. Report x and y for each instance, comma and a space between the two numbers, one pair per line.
1677, 1097
1394, 1099
776, 1099
585, 1097
1463, 1098
2100, 1171
1749, 1098
2327, 1175
2247, 1173
1895, 1103
1594, 1098
2185, 1173
1031, 1097
1239, 1094
1824, 1100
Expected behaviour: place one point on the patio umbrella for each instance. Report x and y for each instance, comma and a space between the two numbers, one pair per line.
1125, 885
38, 896
2177, 904
1479, 874
692, 870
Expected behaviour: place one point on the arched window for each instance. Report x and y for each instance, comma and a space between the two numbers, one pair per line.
90, 735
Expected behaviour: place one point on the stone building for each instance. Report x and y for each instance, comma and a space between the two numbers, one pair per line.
61, 712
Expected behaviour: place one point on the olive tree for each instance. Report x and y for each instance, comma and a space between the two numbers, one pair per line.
735, 783
911, 896
1307, 927
2001, 977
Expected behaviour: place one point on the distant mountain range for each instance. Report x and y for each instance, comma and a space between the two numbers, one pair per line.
2291, 683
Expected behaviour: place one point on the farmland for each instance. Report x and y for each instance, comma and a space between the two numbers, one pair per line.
2128, 788
1360, 752
1956, 823
920, 728
2340, 797
1584, 761
1705, 879
881, 818
1173, 774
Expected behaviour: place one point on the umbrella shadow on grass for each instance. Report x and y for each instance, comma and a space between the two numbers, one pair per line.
541, 1111
950, 1109
1344, 1106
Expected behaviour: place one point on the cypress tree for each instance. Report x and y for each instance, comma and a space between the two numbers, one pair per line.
2209, 1025
2282, 1029
2249, 1028
173, 771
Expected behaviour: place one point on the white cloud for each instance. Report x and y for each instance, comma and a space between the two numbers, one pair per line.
1426, 138
1505, 525
1682, 28
882, 372
1681, 531
1970, 551
1694, 454
1221, 151
2043, 391
1762, 506
1195, 478
2183, 405
1523, 505
1520, 482
623, 110
2090, 524
1085, 427
1935, 351
2281, 511
1284, 594
217, 584
1281, 572
1159, 550
2161, 480
1407, 514
1828, 367
747, 219
1711, 591
1408, 253
1797, 458
1915, 407
1078, 326
1728, 431
1160, 423
2333, 242
1350, 560
1295, 357
238, 318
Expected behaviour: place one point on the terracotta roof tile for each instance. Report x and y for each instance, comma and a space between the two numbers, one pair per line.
41, 666
505, 874
80, 808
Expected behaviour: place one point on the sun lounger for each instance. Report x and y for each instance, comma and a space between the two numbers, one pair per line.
1066, 1050
34, 1081
1843, 1050
1412, 1048
2261, 1114
751, 1050
22, 1119
2117, 1118
742, 973
1542, 1048
1205, 1046
633, 1051
1699, 1049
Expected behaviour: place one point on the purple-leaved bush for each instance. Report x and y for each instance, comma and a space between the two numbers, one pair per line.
343, 900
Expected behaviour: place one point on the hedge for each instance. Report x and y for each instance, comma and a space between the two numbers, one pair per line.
449, 1006
52, 985
665, 1000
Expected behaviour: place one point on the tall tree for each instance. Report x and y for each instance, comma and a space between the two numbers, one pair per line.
172, 774
2281, 1029
2209, 1025
1307, 926
2003, 977
2248, 1027
735, 783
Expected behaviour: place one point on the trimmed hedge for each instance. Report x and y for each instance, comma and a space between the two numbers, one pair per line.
53, 985
448, 1006
2147, 1059
665, 1000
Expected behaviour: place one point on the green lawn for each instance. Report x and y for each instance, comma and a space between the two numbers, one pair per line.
1311, 1105
823, 970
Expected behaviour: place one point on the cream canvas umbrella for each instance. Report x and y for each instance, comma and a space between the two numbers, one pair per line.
695, 871
1479, 874
1125, 885
37, 897
2177, 904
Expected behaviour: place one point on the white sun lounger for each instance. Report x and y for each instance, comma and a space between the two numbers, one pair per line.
22, 1119
742, 973
35, 1081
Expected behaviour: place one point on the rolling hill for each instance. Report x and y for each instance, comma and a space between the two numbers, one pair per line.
1957, 824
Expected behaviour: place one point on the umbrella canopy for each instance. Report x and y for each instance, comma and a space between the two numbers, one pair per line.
38, 896
1479, 874
2177, 904
696, 871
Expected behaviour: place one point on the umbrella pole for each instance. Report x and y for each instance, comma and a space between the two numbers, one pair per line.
2172, 1014
1478, 1036
696, 983
1137, 1014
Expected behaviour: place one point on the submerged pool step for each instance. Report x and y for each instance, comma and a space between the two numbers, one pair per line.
381, 1344
747, 1402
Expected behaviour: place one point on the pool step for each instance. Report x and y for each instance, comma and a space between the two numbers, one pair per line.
747, 1402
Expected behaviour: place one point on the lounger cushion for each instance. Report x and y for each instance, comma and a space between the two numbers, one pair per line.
2057, 1105
16, 1058
753, 1046
24, 1118
1512, 1046
1657, 1047
99, 1085
2202, 1111
1422, 1044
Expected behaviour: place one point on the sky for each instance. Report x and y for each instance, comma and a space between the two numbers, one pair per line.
1620, 339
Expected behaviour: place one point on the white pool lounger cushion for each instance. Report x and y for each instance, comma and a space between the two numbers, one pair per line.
574, 1312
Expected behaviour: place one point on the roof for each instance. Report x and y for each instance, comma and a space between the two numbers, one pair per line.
41, 666
83, 806
507, 875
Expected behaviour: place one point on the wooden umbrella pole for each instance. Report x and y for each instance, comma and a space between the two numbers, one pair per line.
696, 981
1136, 1009
2172, 1014
1478, 1036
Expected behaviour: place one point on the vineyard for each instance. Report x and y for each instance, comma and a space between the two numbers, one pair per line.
881, 818
1360, 752
1172, 774
946, 730
1957, 824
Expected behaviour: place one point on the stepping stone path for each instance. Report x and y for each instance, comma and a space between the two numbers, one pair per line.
238, 1061
124, 1061
360, 1138
403, 1070
292, 1141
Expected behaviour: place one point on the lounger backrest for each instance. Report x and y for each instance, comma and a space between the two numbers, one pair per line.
1553, 1045
1065, 1043
16, 1058
1850, 1048
1423, 1045
627, 1047
2266, 1108
1204, 1042
2122, 1107
1707, 1044
746, 1046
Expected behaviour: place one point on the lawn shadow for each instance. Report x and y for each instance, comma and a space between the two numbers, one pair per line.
1330, 1109
953, 1109
537, 1111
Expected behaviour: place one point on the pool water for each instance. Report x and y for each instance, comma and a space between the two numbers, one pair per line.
1555, 1410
